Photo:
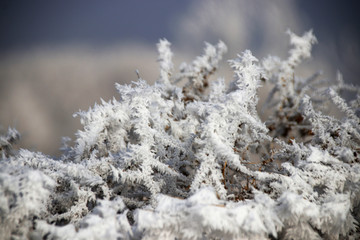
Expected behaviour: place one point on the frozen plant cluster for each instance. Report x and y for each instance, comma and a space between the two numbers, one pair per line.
190, 158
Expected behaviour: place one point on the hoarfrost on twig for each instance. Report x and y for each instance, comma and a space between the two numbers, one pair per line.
197, 162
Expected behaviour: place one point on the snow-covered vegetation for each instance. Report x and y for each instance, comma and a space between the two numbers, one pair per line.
190, 158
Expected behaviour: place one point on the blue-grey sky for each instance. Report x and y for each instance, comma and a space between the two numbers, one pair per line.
26, 24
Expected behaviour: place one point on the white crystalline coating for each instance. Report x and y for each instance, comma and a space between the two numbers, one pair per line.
302, 47
197, 161
165, 60
217, 218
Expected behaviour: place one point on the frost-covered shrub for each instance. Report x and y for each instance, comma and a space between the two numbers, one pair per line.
190, 158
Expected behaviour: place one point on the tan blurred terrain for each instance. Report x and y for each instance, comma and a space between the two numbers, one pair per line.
41, 89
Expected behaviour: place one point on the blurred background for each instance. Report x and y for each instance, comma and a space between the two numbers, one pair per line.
57, 57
